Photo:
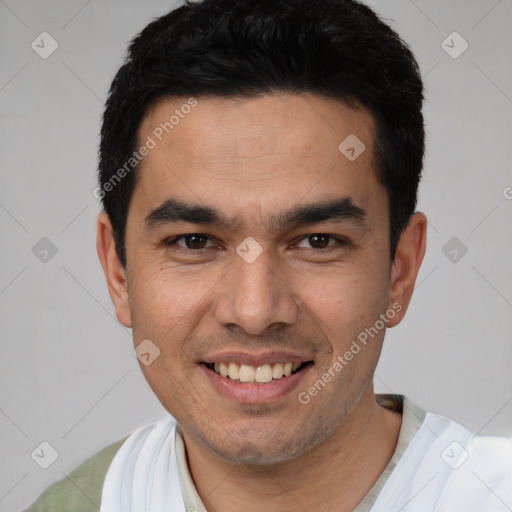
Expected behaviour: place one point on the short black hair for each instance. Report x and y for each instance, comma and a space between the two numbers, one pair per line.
335, 49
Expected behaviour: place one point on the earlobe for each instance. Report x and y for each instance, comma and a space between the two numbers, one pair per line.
115, 273
408, 257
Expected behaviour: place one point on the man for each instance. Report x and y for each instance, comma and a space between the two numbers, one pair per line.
259, 166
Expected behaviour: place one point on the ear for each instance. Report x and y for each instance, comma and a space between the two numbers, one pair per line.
115, 273
408, 257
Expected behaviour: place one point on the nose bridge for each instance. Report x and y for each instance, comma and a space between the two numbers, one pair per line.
255, 296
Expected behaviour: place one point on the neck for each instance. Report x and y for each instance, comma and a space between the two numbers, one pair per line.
333, 476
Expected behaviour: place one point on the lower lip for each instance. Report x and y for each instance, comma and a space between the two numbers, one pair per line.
255, 393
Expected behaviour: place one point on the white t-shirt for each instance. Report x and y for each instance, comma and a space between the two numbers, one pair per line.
437, 466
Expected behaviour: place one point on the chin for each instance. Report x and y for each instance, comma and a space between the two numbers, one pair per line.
254, 455
274, 447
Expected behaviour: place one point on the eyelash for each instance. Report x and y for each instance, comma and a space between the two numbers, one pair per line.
173, 241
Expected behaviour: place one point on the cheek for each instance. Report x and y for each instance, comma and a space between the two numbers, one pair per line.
165, 309
168, 308
163, 300
344, 297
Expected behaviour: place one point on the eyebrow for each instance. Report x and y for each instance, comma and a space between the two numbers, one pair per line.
174, 211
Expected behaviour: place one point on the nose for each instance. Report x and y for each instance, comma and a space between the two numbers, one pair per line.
255, 296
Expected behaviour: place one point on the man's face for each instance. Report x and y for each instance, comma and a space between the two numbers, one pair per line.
213, 301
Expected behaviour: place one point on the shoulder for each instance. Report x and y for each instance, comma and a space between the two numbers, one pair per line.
80, 491
476, 470
483, 478
447, 468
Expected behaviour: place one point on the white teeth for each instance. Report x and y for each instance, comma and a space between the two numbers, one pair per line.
264, 373
255, 374
223, 369
277, 371
246, 373
233, 371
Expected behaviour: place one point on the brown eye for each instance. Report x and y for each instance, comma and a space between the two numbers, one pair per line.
321, 241
318, 241
193, 241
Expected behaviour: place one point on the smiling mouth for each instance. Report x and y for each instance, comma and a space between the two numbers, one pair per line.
247, 374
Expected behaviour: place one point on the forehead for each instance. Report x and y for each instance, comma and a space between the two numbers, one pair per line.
266, 151
256, 126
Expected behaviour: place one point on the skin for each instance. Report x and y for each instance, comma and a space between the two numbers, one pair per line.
251, 158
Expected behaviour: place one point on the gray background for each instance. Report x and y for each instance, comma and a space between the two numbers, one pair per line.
68, 374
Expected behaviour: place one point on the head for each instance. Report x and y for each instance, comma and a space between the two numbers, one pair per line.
259, 166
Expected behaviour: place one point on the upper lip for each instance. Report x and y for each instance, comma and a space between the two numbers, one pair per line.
255, 359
